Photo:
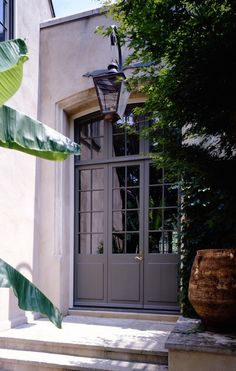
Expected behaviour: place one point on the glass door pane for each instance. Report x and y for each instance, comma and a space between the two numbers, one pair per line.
91, 211
125, 209
163, 213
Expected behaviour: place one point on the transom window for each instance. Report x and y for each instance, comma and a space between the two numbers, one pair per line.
6, 19
125, 136
100, 140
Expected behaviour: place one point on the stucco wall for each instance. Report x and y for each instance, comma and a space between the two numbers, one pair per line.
18, 171
69, 49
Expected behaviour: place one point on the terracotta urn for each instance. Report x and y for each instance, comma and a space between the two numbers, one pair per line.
212, 288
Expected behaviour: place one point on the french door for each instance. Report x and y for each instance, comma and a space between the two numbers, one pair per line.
126, 220
126, 244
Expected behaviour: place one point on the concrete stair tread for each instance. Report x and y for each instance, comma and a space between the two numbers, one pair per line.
35, 343
99, 334
27, 360
107, 333
134, 344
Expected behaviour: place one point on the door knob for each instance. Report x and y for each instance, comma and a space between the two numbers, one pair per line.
139, 258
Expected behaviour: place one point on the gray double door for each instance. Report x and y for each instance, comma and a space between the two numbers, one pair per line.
126, 236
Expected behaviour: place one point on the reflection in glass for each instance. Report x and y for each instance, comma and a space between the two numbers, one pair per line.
118, 127
97, 129
175, 242
84, 222
118, 199
132, 221
98, 222
118, 145
85, 201
132, 145
85, 149
98, 179
97, 244
165, 242
97, 200
85, 130
2, 12
85, 179
155, 196
163, 213
168, 242
2, 33
155, 242
132, 176
97, 148
171, 218
155, 219
90, 139
118, 220
125, 139
132, 243
171, 195
155, 175
84, 244
118, 243
132, 198
118, 177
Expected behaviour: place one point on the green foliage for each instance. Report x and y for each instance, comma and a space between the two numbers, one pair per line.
13, 54
190, 89
22, 133
29, 296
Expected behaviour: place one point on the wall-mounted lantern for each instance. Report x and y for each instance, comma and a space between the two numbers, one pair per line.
110, 86
111, 92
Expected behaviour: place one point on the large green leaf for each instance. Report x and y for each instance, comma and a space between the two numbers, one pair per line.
20, 132
13, 54
29, 297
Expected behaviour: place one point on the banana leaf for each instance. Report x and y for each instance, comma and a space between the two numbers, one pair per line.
22, 133
13, 54
29, 296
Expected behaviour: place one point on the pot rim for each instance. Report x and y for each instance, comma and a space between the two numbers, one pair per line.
217, 251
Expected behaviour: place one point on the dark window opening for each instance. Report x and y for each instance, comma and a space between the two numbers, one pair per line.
6, 19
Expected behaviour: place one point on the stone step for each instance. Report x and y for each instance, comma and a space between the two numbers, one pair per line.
105, 338
21, 360
87, 350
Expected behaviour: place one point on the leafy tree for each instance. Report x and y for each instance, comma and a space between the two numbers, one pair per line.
23, 133
188, 53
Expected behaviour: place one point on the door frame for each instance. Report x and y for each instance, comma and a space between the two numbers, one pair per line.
124, 161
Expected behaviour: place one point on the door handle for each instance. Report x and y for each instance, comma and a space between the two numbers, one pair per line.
139, 257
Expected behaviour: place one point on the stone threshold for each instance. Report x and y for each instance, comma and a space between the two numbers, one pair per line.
123, 314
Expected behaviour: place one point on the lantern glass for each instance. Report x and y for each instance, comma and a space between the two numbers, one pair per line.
111, 92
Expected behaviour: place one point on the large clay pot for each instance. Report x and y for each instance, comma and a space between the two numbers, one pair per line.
212, 288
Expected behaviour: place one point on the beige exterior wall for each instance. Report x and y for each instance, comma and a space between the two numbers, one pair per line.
179, 360
69, 49
18, 188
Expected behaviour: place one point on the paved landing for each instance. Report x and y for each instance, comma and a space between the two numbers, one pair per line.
106, 332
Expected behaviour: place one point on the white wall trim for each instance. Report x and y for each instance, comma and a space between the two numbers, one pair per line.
59, 188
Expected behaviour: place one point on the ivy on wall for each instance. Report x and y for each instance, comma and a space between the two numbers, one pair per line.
188, 52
